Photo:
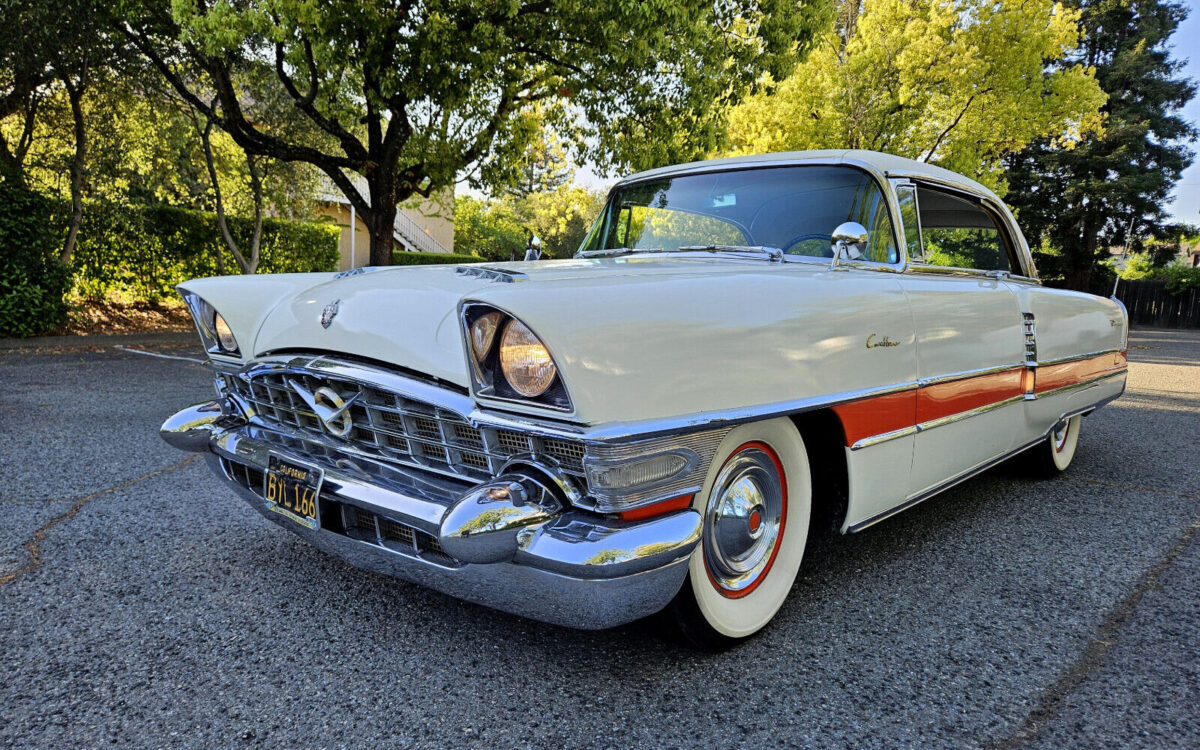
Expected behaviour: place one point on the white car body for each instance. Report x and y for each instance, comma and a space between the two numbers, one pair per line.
931, 374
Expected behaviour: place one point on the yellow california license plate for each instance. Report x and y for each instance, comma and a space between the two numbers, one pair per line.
291, 489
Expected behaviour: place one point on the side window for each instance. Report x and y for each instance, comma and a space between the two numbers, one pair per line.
871, 210
906, 196
959, 233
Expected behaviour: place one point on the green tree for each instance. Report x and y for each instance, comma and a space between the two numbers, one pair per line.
560, 217
954, 82
545, 166
491, 230
410, 94
1113, 186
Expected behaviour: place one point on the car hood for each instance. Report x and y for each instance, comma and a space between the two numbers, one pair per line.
608, 322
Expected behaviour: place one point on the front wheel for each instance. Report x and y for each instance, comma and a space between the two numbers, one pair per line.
756, 504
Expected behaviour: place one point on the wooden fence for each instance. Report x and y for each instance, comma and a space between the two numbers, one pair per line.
1150, 304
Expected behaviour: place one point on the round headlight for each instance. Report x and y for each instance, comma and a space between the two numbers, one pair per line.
525, 361
224, 334
483, 333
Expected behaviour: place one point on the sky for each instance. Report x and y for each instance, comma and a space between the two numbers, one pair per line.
1186, 206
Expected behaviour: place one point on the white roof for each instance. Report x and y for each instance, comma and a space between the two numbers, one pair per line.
886, 164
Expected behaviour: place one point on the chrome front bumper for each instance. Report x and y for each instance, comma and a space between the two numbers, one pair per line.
555, 564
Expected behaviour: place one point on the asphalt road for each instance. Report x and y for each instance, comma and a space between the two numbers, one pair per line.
142, 604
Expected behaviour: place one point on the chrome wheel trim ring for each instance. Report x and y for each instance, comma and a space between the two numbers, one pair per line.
744, 520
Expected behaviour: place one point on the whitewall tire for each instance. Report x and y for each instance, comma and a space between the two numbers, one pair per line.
1053, 455
756, 503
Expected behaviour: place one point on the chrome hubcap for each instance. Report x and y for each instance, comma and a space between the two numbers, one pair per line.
744, 520
1060, 437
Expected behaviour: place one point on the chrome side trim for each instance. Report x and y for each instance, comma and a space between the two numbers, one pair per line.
952, 418
964, 476
1082, 384
933, 423
619, 432
960, 478
884, 437
1077, 357
964, 374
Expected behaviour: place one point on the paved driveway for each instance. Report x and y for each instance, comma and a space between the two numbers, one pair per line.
142, 604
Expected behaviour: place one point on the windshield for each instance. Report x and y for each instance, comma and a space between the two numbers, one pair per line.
794, 209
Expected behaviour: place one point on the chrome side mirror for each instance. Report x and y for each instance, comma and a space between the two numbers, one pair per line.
849, 241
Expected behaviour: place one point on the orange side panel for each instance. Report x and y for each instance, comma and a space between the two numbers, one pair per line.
943, 399
877, 415
1050, 377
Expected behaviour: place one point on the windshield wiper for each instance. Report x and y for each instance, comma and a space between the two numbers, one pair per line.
773, 253
612, 252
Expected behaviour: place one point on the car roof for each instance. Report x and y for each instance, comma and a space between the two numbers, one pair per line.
887, 165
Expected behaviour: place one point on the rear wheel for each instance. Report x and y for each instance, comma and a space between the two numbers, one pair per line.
1053, 455
756, 504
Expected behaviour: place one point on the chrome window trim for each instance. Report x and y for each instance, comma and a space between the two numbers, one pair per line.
905, 183
880, 177
1024, 255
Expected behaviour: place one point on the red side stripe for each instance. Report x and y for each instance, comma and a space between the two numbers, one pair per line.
943, 399
894, 411
877, 415
1050, 377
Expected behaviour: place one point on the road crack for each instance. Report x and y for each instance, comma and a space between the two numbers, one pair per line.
1050, 705
33, 544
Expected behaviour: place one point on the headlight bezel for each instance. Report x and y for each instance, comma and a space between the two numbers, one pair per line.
205, 316
489, 382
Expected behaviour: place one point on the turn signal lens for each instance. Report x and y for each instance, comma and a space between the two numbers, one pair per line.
483, 333
224, 334
525, 361
637, 473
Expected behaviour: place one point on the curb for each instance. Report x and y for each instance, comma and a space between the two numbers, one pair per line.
52, 343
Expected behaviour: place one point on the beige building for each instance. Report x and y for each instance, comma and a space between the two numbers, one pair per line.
422, 225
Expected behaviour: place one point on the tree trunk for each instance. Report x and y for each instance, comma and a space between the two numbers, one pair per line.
381, 221
75, 94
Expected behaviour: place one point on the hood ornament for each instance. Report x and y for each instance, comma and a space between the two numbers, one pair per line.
329, 313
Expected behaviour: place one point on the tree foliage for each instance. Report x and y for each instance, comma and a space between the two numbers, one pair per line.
32, 280
955, 82
1112, 186
501, 229
408, 94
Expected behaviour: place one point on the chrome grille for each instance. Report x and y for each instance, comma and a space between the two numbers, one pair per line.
399, 429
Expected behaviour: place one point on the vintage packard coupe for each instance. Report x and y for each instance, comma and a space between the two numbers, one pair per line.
741, 349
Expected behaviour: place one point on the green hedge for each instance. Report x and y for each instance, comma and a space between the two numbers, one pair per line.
400, 258
32, 280
144, 251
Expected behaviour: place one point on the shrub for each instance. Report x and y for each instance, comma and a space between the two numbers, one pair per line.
144, 251
400, 258
32, 280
